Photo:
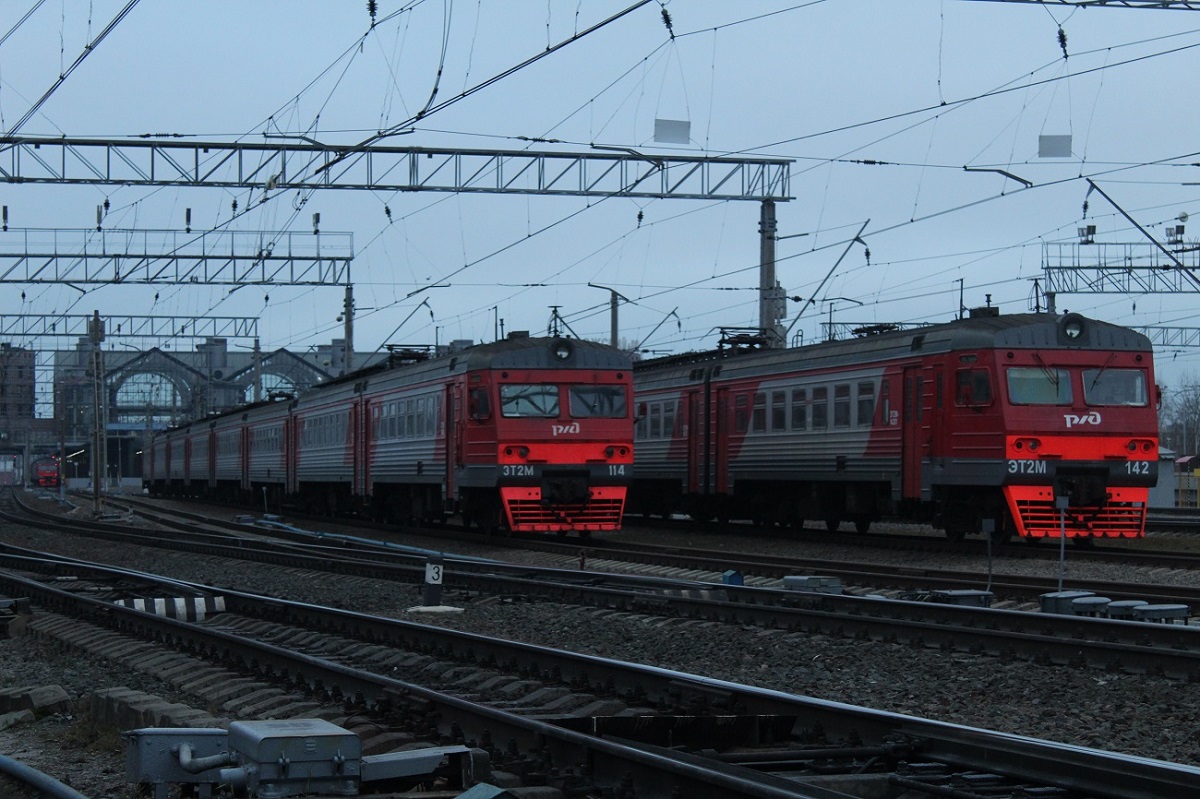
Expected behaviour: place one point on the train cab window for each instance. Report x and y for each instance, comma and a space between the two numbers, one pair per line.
1038, 385
1125, 387
866, 404
758, 419
841, 405
820, 408
741, 413
602, 402
479, 404
778, 411
799, 409
529, 400
972, 387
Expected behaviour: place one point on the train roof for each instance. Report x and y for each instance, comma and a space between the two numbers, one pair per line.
982, 331
515, 352
544, 353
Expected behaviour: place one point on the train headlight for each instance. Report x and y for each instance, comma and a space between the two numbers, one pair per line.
1072, 328
561, 350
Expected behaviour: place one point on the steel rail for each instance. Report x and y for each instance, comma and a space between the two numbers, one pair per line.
1135, 647
659, 772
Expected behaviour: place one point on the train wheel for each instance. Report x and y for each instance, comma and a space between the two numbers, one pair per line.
832, 523
955, 533
487, 517
862, 524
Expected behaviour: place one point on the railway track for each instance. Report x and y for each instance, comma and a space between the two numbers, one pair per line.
770, 571
688, 585
573, 722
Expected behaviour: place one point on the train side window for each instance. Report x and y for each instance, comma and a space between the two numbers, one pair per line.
741, 413
479, 405
640, 421
885, 401
973, 387
1124, 387
668, 419
866, 404
1038, 385
778, 411
841, 405
656, 420
820, 409
758, 419
799, 409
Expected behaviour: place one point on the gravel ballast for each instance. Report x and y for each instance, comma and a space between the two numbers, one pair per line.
1141, 715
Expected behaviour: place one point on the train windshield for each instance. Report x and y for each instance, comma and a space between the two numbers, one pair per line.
1115, 387
1037, 385
529, 400
605, 402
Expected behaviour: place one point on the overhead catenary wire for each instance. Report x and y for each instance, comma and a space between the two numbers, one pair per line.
88, 49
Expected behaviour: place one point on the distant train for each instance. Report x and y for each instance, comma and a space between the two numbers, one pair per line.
528, 434
1025, 425
45, 472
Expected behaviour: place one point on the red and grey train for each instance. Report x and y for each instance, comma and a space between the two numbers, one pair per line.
1028, 425
529, 434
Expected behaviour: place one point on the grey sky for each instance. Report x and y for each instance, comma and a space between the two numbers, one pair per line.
927, 87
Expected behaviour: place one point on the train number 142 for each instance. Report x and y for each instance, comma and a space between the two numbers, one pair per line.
1137, 467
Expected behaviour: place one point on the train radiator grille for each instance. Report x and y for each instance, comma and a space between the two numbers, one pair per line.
1039, 519
599, 513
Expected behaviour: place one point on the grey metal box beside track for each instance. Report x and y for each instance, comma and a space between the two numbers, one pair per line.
152, 754
311, 753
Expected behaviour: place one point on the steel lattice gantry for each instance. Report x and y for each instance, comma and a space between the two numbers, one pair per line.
22, 326
222, 257
1115, 268
274, 166
1165, 336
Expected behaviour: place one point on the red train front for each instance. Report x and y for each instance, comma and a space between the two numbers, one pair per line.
46, 473
1081, 433
991, 423
546, 443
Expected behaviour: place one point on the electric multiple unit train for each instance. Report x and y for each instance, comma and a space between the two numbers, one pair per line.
1029, 425
525, 434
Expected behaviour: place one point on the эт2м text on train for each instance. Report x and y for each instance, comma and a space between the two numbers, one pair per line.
1024, 425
